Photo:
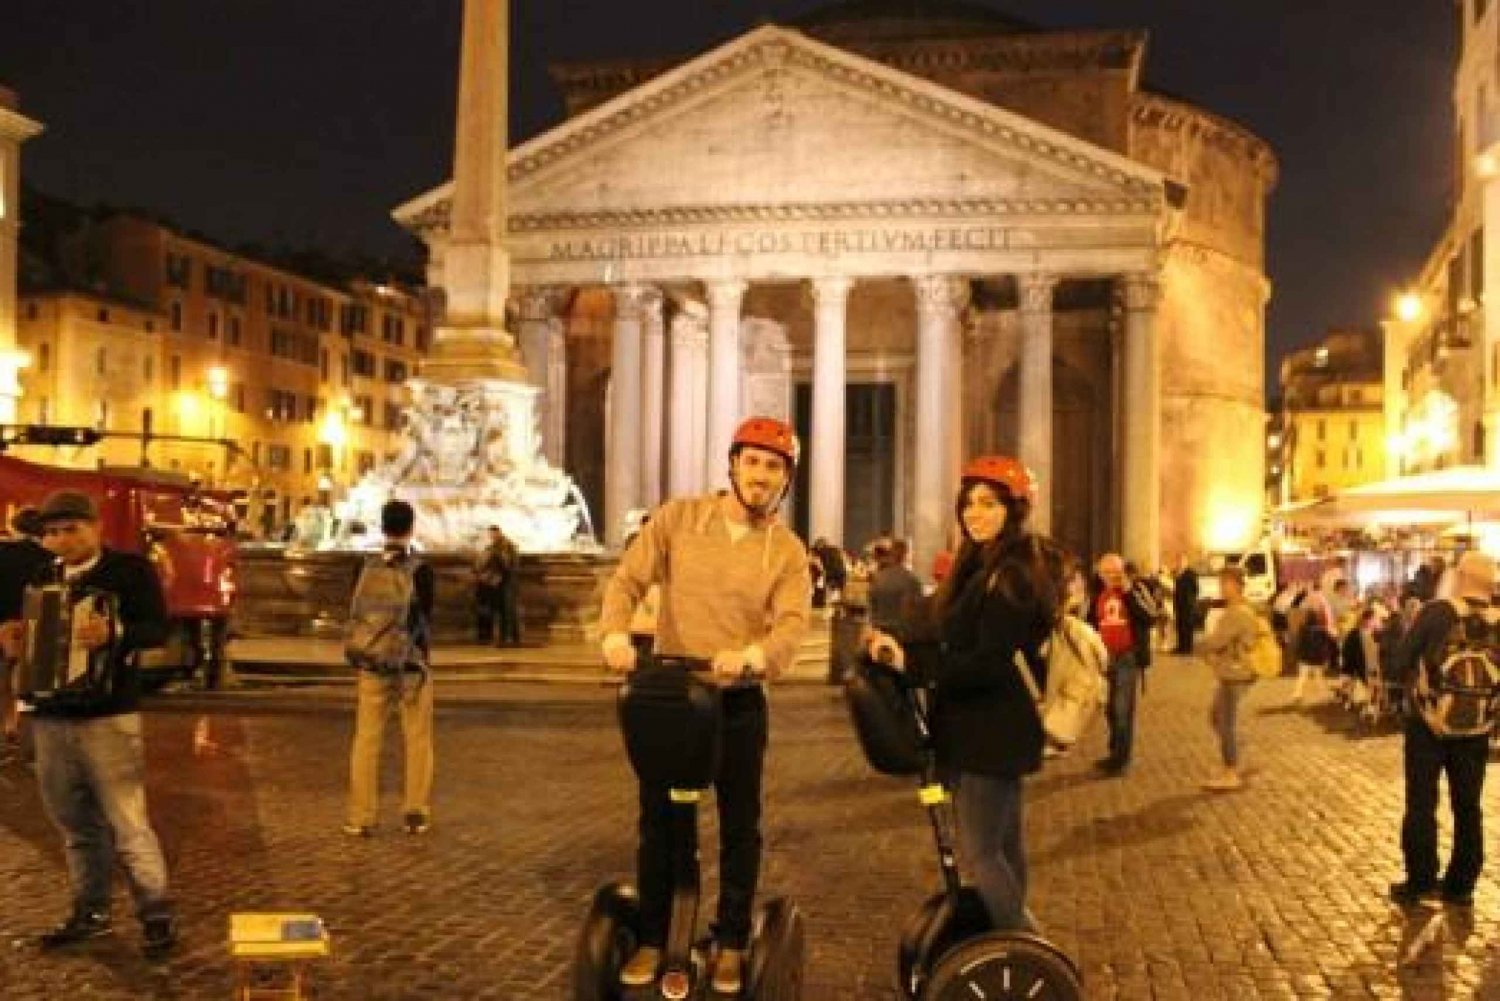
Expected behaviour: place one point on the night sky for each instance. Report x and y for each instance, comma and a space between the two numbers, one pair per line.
305, 122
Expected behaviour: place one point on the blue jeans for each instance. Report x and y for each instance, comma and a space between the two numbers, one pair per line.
992, 842
1224, 716
1124, 688
92, 778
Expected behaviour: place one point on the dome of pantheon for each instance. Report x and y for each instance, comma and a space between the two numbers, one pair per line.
908, 20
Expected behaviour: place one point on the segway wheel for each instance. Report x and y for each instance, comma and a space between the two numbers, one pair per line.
778, 952
999, 966
607, 940
933, 930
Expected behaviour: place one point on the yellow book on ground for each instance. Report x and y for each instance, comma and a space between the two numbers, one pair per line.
259, 935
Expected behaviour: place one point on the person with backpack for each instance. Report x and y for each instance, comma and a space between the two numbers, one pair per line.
735, 592
388, 643
990, 617
1450, 661
90, 743
1230, 649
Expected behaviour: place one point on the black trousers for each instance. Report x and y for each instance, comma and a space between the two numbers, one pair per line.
496, 617
510, 613
487, 613
737, 789
1427, 758
1183, 617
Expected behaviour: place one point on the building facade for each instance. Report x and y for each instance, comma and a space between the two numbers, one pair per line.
1332, 421
919, 236
229, 370
1442, 370
15, 129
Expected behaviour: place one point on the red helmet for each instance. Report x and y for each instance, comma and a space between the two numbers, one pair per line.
770, 434
1003, 471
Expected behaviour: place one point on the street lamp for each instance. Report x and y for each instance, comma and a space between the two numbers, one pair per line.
1409, 307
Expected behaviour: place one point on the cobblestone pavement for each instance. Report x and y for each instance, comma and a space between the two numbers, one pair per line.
1159, 890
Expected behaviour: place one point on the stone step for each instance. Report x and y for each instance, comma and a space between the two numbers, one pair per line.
293, 660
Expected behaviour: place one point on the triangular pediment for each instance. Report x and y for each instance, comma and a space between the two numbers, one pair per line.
776, 121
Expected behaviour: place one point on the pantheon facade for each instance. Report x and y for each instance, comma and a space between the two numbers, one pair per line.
920, 231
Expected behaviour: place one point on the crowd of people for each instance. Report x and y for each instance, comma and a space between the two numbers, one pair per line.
720, 579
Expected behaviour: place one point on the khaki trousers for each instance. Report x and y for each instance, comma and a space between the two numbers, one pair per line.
380, 695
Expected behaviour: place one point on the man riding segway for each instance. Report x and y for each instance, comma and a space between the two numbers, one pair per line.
735, 593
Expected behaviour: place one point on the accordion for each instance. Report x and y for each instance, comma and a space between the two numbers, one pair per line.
55, 669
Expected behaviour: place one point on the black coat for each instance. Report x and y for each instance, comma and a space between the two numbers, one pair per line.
984, 718
22, 561
1185, 592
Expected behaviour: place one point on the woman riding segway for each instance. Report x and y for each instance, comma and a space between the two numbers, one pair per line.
990, 619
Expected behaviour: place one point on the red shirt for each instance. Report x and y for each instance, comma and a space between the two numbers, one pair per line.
1114, 622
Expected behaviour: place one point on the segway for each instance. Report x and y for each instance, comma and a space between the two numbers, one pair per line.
672, 722
949, 949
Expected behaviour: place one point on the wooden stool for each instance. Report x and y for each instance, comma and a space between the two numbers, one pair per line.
284, 945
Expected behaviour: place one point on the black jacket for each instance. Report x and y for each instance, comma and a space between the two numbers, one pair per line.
984, 718
143, 625
1185, 590
1139, 606
22, 561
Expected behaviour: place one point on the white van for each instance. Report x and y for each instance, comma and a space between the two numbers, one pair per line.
1259, 564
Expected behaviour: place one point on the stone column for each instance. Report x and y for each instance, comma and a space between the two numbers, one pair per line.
542, 347
939, 301
689, 399
724, 299
622, 477
653, 359
555, 428
825, 465
1034, 409
1141, 490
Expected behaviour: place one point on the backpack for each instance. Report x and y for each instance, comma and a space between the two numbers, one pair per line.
380, 635
1076, 662
1458, 698
1265, 653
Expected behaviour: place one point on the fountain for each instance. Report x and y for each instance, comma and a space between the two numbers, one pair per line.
470, 455
470, 458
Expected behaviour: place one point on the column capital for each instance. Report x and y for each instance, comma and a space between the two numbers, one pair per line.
1140, 291
830, 290
651, 309
1034, 291
540, 302
690, 325
725, 293
940, 295
631, 301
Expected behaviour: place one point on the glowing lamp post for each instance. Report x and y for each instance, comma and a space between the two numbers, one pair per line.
1409, 307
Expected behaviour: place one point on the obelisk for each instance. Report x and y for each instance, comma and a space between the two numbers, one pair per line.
472, 343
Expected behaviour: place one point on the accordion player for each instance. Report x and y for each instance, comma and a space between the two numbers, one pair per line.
54, 667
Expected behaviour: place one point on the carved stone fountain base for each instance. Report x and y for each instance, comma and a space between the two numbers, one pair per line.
296, 593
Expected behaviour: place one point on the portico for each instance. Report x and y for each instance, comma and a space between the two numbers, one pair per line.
779, 215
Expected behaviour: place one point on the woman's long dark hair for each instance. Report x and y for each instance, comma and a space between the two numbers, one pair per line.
1028, 570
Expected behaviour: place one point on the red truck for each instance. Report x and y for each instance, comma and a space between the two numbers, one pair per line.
186, 532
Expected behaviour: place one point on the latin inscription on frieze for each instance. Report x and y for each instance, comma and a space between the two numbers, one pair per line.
895, 240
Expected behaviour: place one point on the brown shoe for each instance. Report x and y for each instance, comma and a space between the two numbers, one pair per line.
642, 968
729, 971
